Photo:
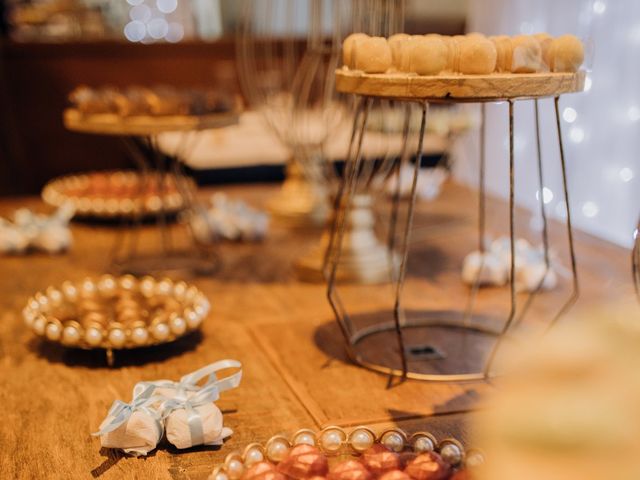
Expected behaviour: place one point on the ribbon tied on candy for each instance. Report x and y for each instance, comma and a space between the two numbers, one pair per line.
184, 410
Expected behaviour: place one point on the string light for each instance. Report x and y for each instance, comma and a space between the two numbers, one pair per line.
570, 115
547, 195
158, 28
135, 31
590, 209
626, 174
599, 7
576, 134
167, 6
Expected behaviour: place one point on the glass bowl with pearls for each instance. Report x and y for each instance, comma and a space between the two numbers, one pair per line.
114, 313
356, 454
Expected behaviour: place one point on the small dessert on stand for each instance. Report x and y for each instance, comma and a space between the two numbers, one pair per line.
421, 70
138, 115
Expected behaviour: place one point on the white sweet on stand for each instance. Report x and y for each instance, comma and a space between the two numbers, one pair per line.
493, 266
48, 233
230, 220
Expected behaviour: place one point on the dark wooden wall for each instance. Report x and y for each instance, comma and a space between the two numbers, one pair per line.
36, 78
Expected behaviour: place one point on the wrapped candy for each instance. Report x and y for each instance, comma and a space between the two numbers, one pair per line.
184, 410
136, 427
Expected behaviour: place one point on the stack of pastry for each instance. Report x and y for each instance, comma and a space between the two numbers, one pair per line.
471, 54
156, 101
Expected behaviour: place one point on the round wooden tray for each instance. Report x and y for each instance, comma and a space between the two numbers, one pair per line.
459, 88
144, 125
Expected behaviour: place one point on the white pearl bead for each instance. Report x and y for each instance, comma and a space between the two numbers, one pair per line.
361, 440
451, 454
423, 444
161, 331
117, 337
234, 468
88, 288
253, 455
178, 325
331, 440
393, 441
43, 301
191, 293
193, 319
277, 450
70, 291
28, 315
147, 286
34, 305
53, 332
107, 285
163, 287
139, 335
39, 324
93, 336
70, 335
55, 296
128, 282
304, 438
221, 476
179, 290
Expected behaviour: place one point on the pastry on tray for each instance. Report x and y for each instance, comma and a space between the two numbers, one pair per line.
471, 54
161, 100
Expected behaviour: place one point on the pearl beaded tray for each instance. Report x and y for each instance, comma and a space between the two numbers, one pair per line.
116, 194
145, 125
493, 87
339, 445
116, 313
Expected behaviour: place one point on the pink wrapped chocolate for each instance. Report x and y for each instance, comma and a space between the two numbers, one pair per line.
304, 461
428, 466
379, 459
350, 470
395, 475
262, 471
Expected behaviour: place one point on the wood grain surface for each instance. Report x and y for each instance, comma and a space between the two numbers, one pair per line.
497, 86
295, 370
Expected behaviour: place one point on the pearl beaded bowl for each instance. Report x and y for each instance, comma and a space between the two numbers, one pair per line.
116, 312
339, 444
117, 194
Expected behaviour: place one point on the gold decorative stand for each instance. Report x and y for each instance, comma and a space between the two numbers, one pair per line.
465, 330
139, 135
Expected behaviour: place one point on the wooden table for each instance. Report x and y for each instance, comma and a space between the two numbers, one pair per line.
295, 371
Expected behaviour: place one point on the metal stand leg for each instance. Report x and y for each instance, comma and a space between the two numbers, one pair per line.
395, 205
545, 224
398, 311
512, 279
344, 204
481, 216
576, 288
341, 188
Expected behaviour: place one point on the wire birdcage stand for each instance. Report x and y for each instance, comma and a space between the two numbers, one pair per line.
449, 323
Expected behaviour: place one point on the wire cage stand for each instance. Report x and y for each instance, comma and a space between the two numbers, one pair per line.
461, 323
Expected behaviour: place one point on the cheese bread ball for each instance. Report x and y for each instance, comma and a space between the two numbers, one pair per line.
545, 40
504, 53
477, 55
566, 54
348, 46
372, 55
395, 43
428, 56
527, 54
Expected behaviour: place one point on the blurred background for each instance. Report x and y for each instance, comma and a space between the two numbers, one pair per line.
48, 47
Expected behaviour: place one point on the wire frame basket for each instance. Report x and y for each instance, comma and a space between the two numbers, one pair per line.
456, 345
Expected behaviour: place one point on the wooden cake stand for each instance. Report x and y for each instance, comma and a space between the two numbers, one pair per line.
140, 136
463, 325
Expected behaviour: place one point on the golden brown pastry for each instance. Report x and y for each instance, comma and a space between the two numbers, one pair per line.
566, 54
527, 54
395, 43
504, 53
477, 55
372, 55
347, 48
545, 40
428, 56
